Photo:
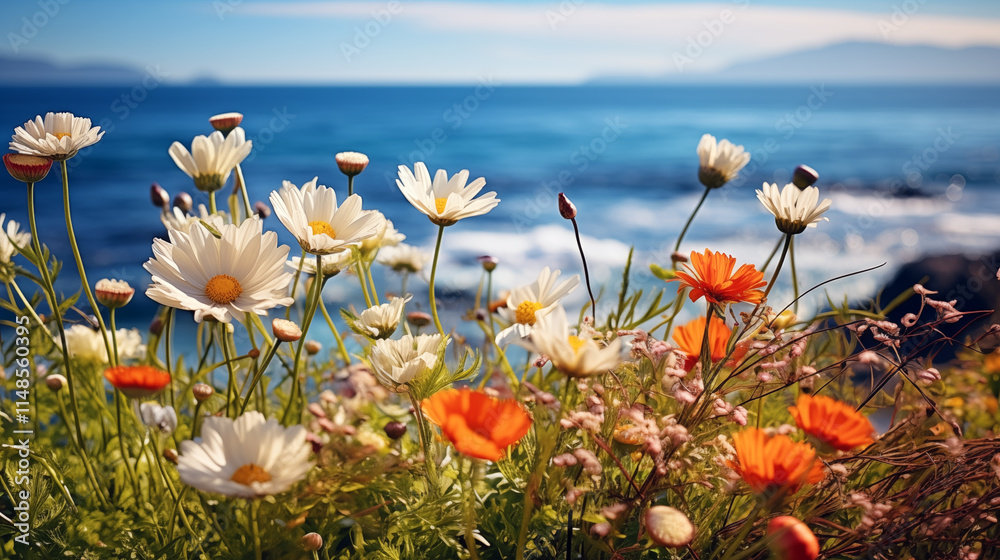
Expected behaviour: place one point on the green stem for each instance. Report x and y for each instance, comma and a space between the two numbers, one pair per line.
350, 185
470, 512
677, 246
168, 331
433, 302
255, 527
79, 259
311, 305
795, 277
211, 203
781, 260
49, 288
243, 190
113, 358
774, 251
425, 443
336, 334
231, 386
359, 269
83, 455
258, 374
121, 447
371, 280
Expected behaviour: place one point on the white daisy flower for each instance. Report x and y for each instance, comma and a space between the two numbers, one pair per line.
574, 355
379, 321
178, 220
385, 235
332, 264
87, 345
160, 418
527, 303
212, 158
11, 237
403, 258
248, 457
59, 136
397, 362
321, 227
794, 209
720, 162
445, 201
242, 272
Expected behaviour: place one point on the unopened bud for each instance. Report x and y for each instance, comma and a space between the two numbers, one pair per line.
418, 318
226, 122
313, 347
678, 257
262, 210
669, 526
311, 542
351, 163
170, 455
202, 392
395, 429
27, 168
113, 293
184, 202
566, 207
55, 382
791, 539
489, 262
156, 326
287, 331
804, 176
159, 196
254, 353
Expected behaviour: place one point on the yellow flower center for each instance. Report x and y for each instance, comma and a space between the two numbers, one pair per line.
249, 473
319, 227
440, 203
525, 313
61, 135
223, 289
575, 342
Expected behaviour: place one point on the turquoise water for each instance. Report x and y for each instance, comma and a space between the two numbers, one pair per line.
911, 170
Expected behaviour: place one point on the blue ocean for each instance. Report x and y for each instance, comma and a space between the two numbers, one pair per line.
911, 171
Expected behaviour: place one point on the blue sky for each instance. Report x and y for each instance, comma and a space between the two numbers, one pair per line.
436, 41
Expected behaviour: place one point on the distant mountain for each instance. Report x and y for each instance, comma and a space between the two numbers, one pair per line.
855, 63
15, 71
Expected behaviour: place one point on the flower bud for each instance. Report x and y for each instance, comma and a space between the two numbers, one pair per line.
287, 331
156, 326
395, 429
113, 293
262, 210
202, 392
184, 202
311, 542
253, 353
804, 176
489, 263
566, 207
226, 122
159, 196
313, 347
418, 318
791, 539
669, 527
678, 257
351, 163
170, 455
26, 168
55, 382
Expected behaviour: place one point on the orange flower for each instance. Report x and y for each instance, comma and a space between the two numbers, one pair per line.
792, 539
832, 422
769, 463
711, 275
689, 336
477, 425
137, 381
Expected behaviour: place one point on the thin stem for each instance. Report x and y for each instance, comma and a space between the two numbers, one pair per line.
311, 305
774, 251
231, 385
470, 512
79, 259
336, 334
586, 272
433, 302
113, 358
781, 260
255, 527
258, 374
243, 189
371, 280
425, 443
211, 203
795, 277
168, 330
121, 446
350, 185
83, 455
359, 269
677, 246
